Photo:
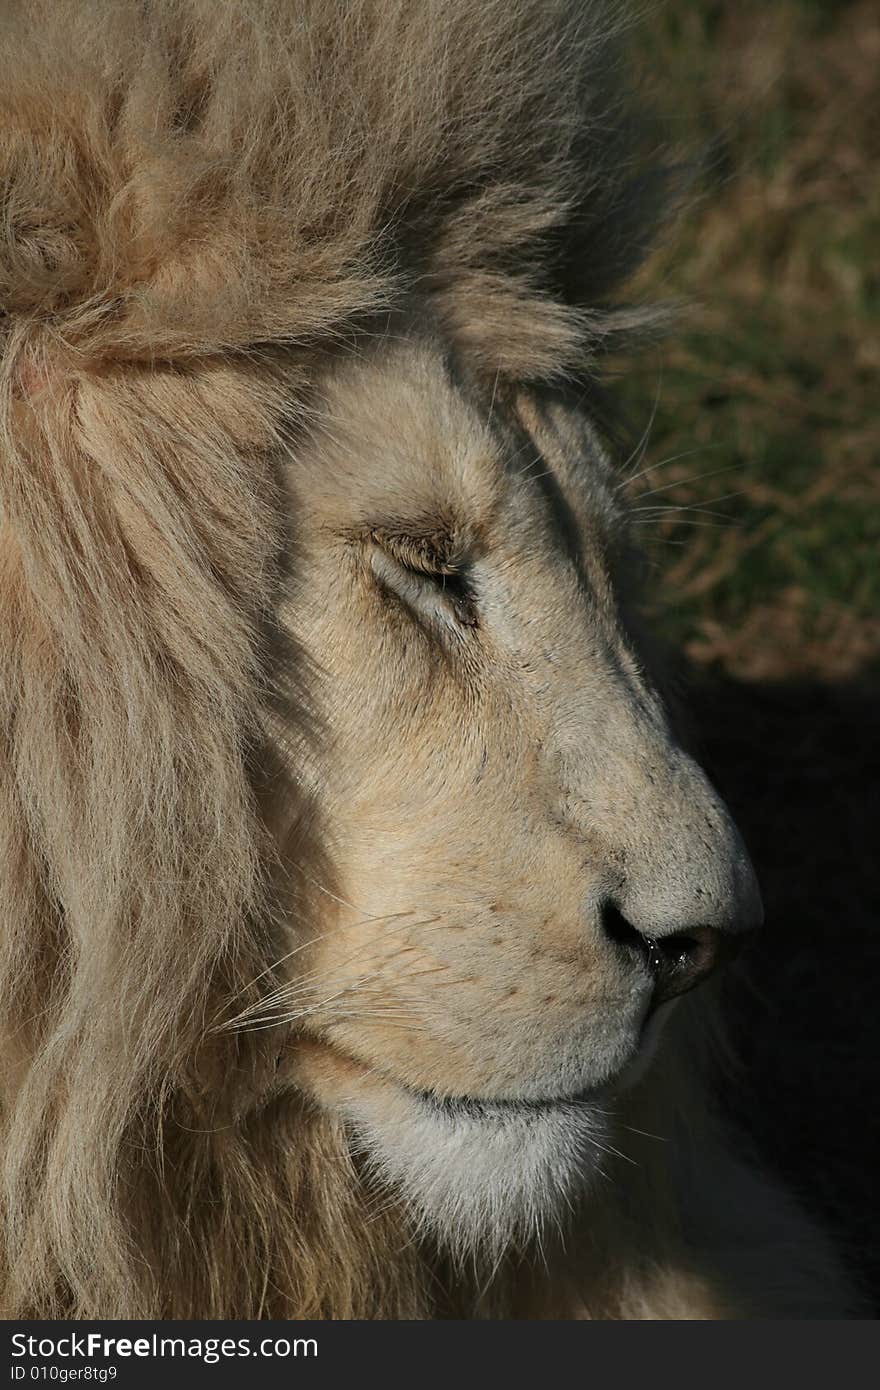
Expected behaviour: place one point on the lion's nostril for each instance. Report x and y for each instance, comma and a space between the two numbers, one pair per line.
681, 961
678, 961
620, 931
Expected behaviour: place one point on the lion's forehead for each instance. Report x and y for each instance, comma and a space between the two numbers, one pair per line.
402, 441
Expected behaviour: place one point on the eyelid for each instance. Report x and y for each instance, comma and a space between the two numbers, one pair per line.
424, 554
423, 588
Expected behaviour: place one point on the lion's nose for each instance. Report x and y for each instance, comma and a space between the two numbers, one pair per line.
679, 890
688, 893
678, 960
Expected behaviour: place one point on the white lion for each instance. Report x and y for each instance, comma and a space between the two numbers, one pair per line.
349, 863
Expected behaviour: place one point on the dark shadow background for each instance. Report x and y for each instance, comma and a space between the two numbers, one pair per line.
800, 766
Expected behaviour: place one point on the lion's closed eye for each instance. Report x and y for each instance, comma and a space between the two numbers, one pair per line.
433, 586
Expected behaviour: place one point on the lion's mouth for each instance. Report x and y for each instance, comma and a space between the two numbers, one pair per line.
484, 1107
337, 1071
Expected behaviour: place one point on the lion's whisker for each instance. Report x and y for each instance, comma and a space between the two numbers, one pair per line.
661, 1138
640, 448
694, 478
664, 462
684, 521
303, 982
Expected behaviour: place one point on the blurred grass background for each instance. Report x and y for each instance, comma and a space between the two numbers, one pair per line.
768, 388
761, 419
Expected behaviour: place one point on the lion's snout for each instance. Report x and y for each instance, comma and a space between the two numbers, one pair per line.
689, 895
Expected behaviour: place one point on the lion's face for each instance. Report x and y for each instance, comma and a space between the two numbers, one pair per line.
508, 818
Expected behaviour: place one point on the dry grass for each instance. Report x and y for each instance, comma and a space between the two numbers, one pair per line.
772, 387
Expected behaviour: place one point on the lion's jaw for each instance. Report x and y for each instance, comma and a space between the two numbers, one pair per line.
491, 768
472, 1176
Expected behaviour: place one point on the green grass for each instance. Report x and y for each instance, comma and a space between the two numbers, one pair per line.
769, 382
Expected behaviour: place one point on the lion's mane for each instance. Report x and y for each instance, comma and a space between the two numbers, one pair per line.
196, 202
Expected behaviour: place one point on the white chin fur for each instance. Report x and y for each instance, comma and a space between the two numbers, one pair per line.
478, 1180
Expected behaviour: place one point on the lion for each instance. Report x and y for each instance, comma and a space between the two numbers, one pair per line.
353, 873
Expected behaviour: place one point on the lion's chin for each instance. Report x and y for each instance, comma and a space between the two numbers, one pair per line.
475, 1176
480, 1178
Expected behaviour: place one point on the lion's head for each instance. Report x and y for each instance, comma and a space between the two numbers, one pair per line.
525, 862
347, 850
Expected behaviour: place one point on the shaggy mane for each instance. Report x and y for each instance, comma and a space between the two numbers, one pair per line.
196, 201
